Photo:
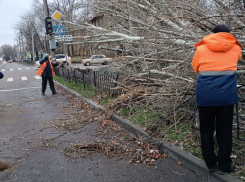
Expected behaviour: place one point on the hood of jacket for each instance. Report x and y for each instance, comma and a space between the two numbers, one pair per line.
219, 42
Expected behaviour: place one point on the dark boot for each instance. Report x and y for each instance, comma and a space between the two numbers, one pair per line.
232, 169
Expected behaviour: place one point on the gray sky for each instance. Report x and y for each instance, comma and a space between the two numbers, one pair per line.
10, 12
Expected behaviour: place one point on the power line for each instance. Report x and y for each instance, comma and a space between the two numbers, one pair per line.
6, 35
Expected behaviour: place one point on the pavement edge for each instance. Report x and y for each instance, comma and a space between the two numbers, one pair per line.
195, 164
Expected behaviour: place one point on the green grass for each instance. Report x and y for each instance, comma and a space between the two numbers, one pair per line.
89, 91
104, 101
184, 137
140, 116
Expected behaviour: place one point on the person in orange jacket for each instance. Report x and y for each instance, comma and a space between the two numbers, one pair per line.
215, 62
47, 72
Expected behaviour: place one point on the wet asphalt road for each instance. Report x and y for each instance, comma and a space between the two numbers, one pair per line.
25, 117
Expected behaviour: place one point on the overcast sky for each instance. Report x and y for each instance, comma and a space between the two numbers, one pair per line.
10, 12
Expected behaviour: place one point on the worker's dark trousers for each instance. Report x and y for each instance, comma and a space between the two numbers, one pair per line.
221, 119
51, 84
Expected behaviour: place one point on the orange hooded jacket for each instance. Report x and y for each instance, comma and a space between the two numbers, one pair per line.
217, 52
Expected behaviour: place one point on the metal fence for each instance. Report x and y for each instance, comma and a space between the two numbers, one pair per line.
105, 80
102, 80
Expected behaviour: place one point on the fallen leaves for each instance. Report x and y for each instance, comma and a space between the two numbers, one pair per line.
179, 162
116, 142
77, 150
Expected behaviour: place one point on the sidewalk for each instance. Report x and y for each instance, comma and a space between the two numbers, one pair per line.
188, 160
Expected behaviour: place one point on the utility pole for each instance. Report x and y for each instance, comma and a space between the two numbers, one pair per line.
22, 42
45, 4
46, 12
20, 49
33, 54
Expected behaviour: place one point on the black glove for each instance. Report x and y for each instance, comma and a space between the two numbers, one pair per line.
55, 64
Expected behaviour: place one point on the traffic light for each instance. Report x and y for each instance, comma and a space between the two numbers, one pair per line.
48, 25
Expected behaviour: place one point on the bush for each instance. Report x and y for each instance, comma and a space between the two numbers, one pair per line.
76, 59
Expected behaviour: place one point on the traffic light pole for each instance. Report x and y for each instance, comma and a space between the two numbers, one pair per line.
46, 12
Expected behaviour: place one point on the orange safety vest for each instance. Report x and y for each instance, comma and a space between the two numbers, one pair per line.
43, 66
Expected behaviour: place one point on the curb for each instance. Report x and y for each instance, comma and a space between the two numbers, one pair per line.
191, 162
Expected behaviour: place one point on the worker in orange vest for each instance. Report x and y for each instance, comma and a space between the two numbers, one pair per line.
215, 62
47, 72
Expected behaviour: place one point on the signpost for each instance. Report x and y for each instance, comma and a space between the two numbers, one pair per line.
63, 38
56, 15
59, 30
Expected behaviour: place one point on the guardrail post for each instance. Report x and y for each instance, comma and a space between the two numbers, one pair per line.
83, 81
75, 77
117, 76
95, 81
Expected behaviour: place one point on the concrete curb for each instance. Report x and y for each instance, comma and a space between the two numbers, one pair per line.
195, 164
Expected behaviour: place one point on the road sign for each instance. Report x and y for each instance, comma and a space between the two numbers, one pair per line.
63, 38
52, 44
56, 15
59, 30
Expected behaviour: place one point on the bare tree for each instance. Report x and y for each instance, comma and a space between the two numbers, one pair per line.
7, 51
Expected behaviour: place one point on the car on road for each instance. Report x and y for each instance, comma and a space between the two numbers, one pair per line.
96, 59
61, 59
37, 64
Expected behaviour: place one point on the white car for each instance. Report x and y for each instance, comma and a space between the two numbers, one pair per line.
100, 59
61, 59
37, 64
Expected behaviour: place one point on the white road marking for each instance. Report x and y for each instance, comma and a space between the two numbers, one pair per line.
19, 68
23, 78
37, 77
11, 69
27, 68
10, 79
3, 69
19, 89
